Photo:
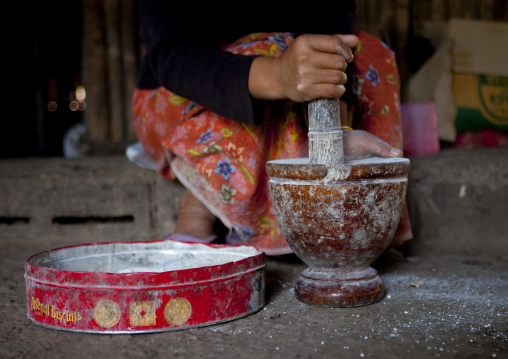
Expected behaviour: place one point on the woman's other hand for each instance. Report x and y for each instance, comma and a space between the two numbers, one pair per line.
360, 144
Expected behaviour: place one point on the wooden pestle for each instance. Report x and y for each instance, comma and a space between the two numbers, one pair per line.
325, 132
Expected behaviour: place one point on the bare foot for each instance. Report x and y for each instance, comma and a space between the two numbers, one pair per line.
194, 219
360, 144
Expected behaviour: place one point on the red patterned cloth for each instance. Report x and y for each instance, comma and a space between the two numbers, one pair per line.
222, 161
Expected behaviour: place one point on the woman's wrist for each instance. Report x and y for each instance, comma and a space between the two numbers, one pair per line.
263, 79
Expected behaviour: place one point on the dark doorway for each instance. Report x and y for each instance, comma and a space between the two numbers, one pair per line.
42, 64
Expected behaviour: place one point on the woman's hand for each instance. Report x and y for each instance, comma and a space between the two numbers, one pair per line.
360, 144
312, 67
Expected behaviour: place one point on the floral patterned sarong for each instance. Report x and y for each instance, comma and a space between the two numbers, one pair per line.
222, 161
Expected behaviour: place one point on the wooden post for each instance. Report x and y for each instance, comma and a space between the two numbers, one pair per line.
130, 42
94, 52
114, 66
402, 24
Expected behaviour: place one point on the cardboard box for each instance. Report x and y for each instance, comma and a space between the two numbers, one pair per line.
480, 74
481, 102
479, 47
467, 76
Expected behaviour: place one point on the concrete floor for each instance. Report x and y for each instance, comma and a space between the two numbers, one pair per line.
447, 298
451, 306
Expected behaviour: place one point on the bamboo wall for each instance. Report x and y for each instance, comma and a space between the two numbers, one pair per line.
112, 51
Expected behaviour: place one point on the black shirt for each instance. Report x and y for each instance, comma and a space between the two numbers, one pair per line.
182, 42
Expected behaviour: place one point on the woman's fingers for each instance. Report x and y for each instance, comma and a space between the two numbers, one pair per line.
361, 144
351, 41
338, 44
312, 67
319, 63
324, 60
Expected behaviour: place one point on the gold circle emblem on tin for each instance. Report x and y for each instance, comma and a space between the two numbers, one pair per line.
106, 313
177, 311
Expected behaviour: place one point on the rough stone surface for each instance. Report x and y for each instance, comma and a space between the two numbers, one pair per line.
446, 300
447, 307
458, 201
84, 200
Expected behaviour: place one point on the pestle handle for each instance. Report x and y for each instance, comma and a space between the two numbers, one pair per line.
325, 132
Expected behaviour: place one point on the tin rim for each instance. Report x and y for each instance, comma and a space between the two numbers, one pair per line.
48, 276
